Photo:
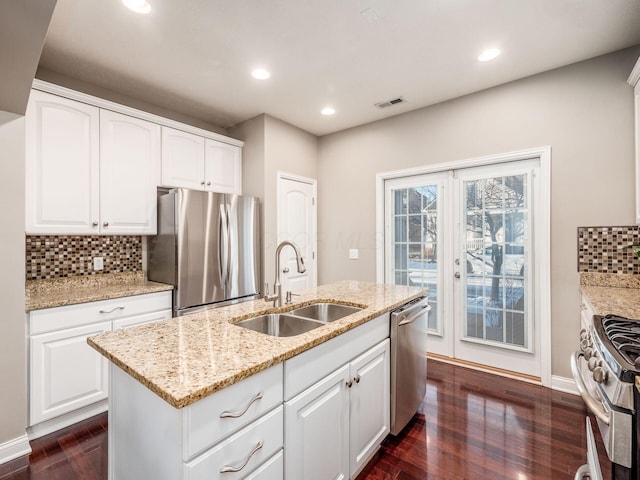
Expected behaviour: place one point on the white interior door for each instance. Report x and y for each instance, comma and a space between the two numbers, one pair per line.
468, 235
297, 224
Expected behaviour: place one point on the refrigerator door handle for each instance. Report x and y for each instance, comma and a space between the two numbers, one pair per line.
228, 263
224, 242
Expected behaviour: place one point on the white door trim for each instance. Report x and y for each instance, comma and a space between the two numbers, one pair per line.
543, 252
314, 212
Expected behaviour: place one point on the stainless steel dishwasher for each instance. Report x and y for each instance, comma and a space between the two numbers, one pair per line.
408, 361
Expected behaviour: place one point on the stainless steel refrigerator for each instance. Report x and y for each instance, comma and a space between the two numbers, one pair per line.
207, 247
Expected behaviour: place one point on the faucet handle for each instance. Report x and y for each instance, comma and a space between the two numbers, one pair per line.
289, 295
266, 290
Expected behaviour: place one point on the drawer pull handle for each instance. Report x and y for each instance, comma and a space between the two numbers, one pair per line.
228, 414
112, 310
230, 468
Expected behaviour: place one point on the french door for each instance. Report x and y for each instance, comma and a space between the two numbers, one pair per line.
469, 235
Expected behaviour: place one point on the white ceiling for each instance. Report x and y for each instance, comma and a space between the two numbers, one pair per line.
195, 56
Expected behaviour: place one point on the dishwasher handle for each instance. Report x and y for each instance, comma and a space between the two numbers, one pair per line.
415, 316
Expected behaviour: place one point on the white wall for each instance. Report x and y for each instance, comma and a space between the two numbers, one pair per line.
583, 111
23, 27
13, 370
272, 145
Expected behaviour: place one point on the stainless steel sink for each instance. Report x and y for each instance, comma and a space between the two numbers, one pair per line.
325, 312
280, 324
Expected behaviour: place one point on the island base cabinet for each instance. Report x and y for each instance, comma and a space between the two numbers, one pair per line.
369, 405
334, 427
317, 430
240, 454
151, 440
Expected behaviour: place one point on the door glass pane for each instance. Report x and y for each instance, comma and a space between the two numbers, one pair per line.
415, 237
496, 243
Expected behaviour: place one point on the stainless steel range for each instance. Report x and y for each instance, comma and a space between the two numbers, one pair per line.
605, 370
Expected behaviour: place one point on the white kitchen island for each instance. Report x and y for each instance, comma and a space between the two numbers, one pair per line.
198, 397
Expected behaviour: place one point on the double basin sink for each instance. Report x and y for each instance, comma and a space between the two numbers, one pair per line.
299, 320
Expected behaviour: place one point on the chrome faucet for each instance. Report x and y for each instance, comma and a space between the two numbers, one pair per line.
277, 287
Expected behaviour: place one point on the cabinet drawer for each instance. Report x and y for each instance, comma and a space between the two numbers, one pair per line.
69, 316
244, 451
272, 469
305, 369
141, 319
230, 409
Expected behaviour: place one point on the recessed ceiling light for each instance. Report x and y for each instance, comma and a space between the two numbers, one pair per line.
260, 74
328, 111
138, 6
489, 54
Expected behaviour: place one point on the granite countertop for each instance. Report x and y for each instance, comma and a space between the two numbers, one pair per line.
41, 294
617, 294
188, 358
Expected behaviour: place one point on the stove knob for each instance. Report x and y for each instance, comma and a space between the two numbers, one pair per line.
600, 375
594, 362
588, 353
584, 344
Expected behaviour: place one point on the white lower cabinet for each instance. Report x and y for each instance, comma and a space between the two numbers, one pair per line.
369, 407
241, 453
317, 430
68, 380
234, 434
66, 373
334, 427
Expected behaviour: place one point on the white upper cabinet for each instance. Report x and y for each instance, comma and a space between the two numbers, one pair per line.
129, 174
192, 161
89, 170
182, 159
62, 165
222, 167
93, 166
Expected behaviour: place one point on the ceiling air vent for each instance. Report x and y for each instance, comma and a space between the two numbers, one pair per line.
389, 103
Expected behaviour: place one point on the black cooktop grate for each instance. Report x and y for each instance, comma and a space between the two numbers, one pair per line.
620, 337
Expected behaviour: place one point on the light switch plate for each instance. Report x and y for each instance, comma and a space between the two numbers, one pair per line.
354, 254
98, 263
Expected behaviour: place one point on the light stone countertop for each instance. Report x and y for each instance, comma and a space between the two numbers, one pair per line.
58, 292
617, 294
185, 359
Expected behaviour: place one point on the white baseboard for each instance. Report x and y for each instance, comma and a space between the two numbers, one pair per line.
564, 384
55, 424
14, 448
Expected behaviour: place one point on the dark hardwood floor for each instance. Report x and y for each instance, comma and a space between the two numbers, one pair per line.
473, 426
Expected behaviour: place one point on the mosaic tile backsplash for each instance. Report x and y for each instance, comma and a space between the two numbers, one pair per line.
605, 249
56, 256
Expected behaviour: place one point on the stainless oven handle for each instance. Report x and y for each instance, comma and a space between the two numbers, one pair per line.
593, 405
582, 472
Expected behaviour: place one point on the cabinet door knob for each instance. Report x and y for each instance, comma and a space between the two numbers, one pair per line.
94, 224
202, 182
105, 224
349, 383
356, 379
208, 183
